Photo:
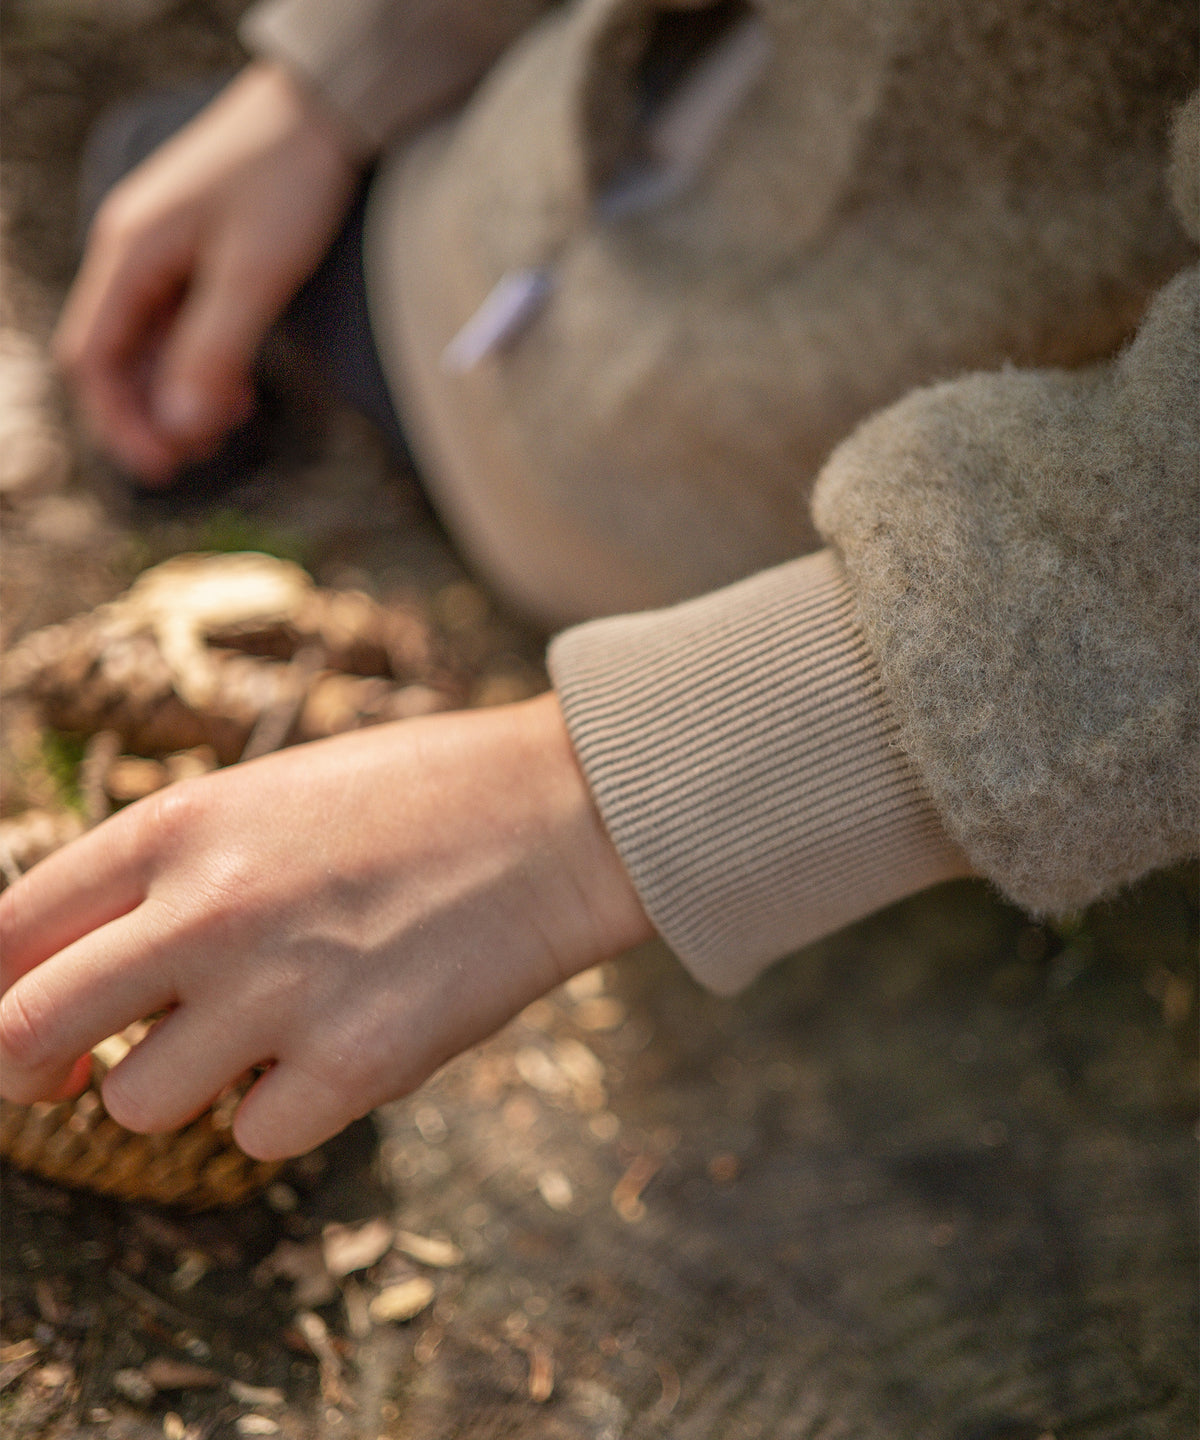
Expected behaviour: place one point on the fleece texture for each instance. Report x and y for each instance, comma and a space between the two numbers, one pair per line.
1023, 549
1184, 170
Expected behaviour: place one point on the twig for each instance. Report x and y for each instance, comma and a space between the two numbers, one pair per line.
102, 749
273, 726
668, 1378
540, 1385
27, 1356
627, 1192
329, 1362
152, 1302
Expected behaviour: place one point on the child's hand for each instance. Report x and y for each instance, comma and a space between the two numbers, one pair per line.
350, 913
190, 260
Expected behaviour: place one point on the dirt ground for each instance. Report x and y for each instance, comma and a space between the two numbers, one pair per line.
932, 1178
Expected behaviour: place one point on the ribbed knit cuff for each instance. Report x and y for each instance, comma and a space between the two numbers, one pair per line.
381, 65
742, 753
323, 46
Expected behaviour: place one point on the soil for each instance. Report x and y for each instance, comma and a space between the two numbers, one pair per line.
933, 1177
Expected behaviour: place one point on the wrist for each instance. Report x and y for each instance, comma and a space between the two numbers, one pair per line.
592, 910
303, 112
309, 112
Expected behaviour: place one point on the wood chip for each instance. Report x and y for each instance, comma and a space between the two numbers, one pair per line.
50, 1304
519, 1112
192, 1267
257, 1425
537, 1069
627, 1192
605, 1126
157, 1306
9, 868
668, 1378
724, 1169
256, 1394
54, 1376
303, 1264
102, 750
584, 1074
275, 723
358, 1313
431, 1124
134, 1386
555, 1189
541, 1373
190, 764
347, 1248
428, 1250
132, 777
167, 1374
601, 1014
586, 985
19, 1350
31, 836
401, 1302
427, 1343
281, 1198
539, 1015
580, 1065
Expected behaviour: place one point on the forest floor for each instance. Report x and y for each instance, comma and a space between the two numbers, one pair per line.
933, 1178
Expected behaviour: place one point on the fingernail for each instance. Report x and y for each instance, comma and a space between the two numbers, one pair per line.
181, 409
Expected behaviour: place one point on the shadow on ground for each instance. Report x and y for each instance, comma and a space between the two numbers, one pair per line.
934, 1178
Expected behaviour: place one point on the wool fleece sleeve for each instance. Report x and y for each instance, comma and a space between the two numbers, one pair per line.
385, 65
1022, 548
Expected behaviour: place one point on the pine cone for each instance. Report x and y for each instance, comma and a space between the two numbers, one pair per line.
77, 1143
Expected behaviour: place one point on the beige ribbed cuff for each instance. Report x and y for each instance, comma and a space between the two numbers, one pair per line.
383, 66
742, 753
327, 47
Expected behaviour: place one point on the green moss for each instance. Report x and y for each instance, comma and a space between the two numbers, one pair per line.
223, 532
229, 531
62, 755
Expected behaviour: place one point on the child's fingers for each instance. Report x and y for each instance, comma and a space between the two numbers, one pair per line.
59, 1009
179, 1068
111, 326
290, 1110
81, 1073
202, 387
94, 880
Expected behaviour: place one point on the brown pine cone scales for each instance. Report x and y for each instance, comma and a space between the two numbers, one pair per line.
77, 1143
204, 648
